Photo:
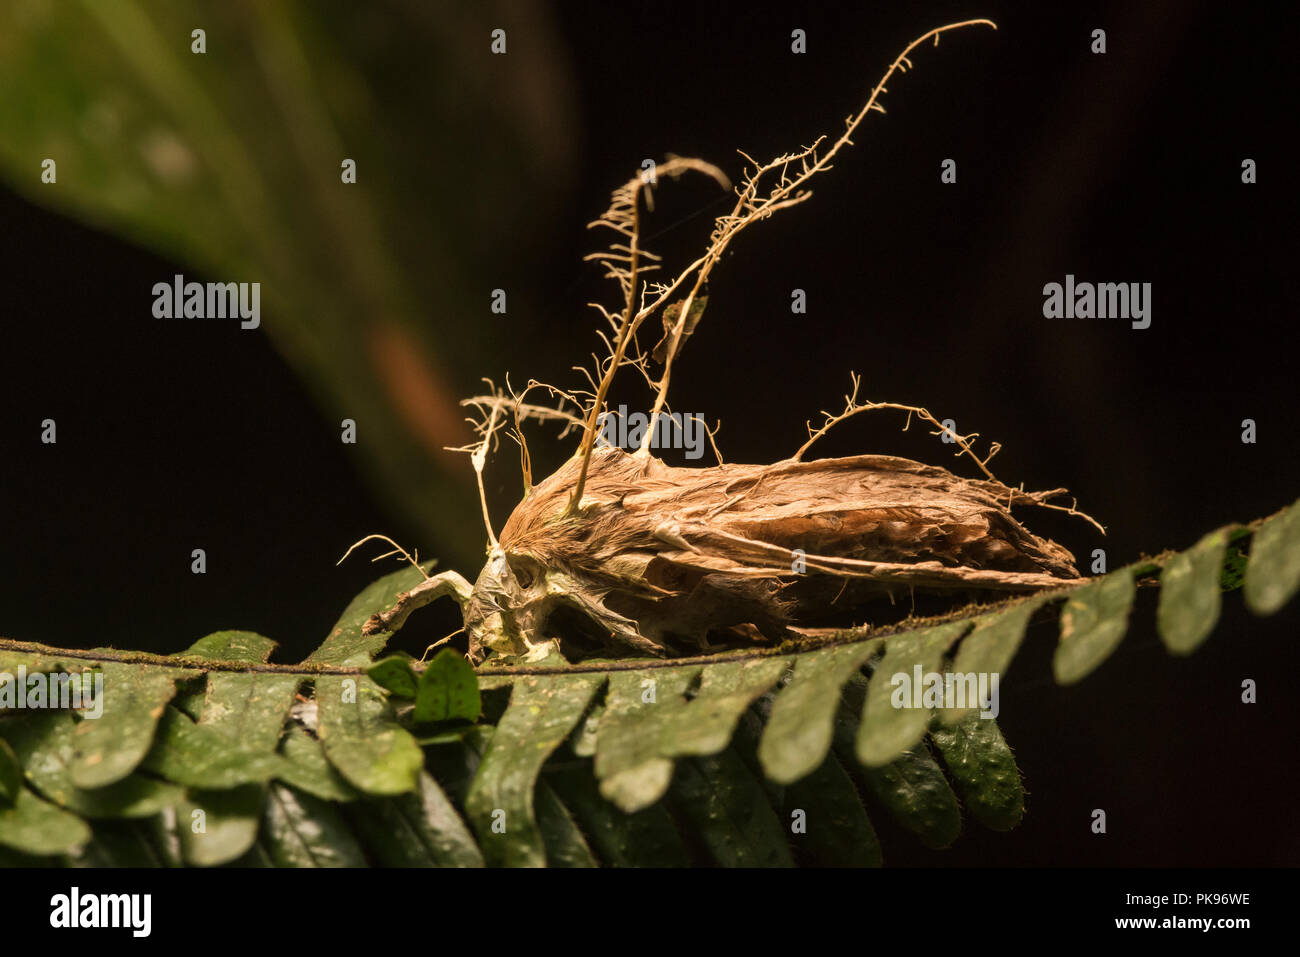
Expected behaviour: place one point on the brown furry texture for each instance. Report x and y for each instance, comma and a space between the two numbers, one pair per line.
686, 551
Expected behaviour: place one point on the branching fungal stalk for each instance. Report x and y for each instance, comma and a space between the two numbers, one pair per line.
787, 192
965, 444
623, 263
491, 416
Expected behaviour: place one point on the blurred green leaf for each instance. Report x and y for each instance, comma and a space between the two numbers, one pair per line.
500, 805
1190, 593
108, 748
887, 731
362, 738
34, 826
1273, 569
229, 163
198, 757
706, 723
647, 838
219, 826
394, 675
838, 832
300, 830
993, 643
913, 789
421, 829
632, 770
11, 774
126, 843
565, 844
1093, 623
730, 812
308, 770
247, 707
798, 733
447, 690
981, 765
43, 743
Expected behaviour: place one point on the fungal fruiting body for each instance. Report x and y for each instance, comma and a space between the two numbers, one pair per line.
620, 552
663, 557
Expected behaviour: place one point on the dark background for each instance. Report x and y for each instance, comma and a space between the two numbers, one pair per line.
1119, 167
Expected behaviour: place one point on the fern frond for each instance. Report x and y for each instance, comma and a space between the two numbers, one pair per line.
591, 762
